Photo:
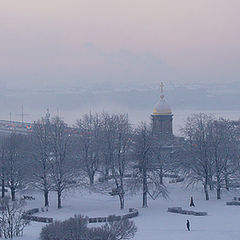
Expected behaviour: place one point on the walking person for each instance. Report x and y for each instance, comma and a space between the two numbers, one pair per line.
188, 225
191, 202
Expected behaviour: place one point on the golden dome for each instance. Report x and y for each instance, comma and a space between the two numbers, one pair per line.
162, 107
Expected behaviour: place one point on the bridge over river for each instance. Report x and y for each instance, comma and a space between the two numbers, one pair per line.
7, 127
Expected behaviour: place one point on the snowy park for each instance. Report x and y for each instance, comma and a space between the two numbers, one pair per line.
156, 185
120, 120
153, 222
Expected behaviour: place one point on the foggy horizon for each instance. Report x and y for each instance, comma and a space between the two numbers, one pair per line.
61, 43
74, 57
119, 119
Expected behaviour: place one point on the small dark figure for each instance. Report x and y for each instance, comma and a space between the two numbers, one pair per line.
191, 202
188, 225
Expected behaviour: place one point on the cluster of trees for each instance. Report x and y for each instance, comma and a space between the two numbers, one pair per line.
106, 147
108, 144
55, 157
211, 151
39, 159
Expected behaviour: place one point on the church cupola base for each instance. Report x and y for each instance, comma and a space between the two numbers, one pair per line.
162, 126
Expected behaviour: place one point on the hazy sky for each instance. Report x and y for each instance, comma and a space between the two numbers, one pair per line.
63, 42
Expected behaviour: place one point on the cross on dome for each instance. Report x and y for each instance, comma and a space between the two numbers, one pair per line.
162, 107
161, 87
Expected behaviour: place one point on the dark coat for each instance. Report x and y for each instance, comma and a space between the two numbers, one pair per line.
188, 225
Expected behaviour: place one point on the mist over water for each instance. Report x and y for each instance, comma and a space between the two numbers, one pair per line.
136, 100
135, 116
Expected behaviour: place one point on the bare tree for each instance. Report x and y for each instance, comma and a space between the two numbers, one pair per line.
152, 158
197, 161
41, 154
211, 150
61, 168
108, 133
12, 222
143, 145
3, 166
14, 162
123, 140
88, 144
113, 144
223, 149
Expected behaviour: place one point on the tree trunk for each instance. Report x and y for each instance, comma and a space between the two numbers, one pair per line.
46, 198
91, 179
211, 187
210, 178
226, 181
144, 203
218, 186
13, 194
218, 174
59, 193
161, 175
106, 174
3, 187
218, 193
206, 190
121, 198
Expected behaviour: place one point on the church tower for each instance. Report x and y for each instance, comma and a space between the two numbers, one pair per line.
162, 118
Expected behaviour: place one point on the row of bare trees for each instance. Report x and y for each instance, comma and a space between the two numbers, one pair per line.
101, 146
108, 144
40, 158
211, 151
55, 157
52, 169
106, 147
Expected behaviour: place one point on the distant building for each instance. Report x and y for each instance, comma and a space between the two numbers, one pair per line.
162, 119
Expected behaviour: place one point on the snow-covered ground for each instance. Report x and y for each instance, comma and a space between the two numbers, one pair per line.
154, 222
